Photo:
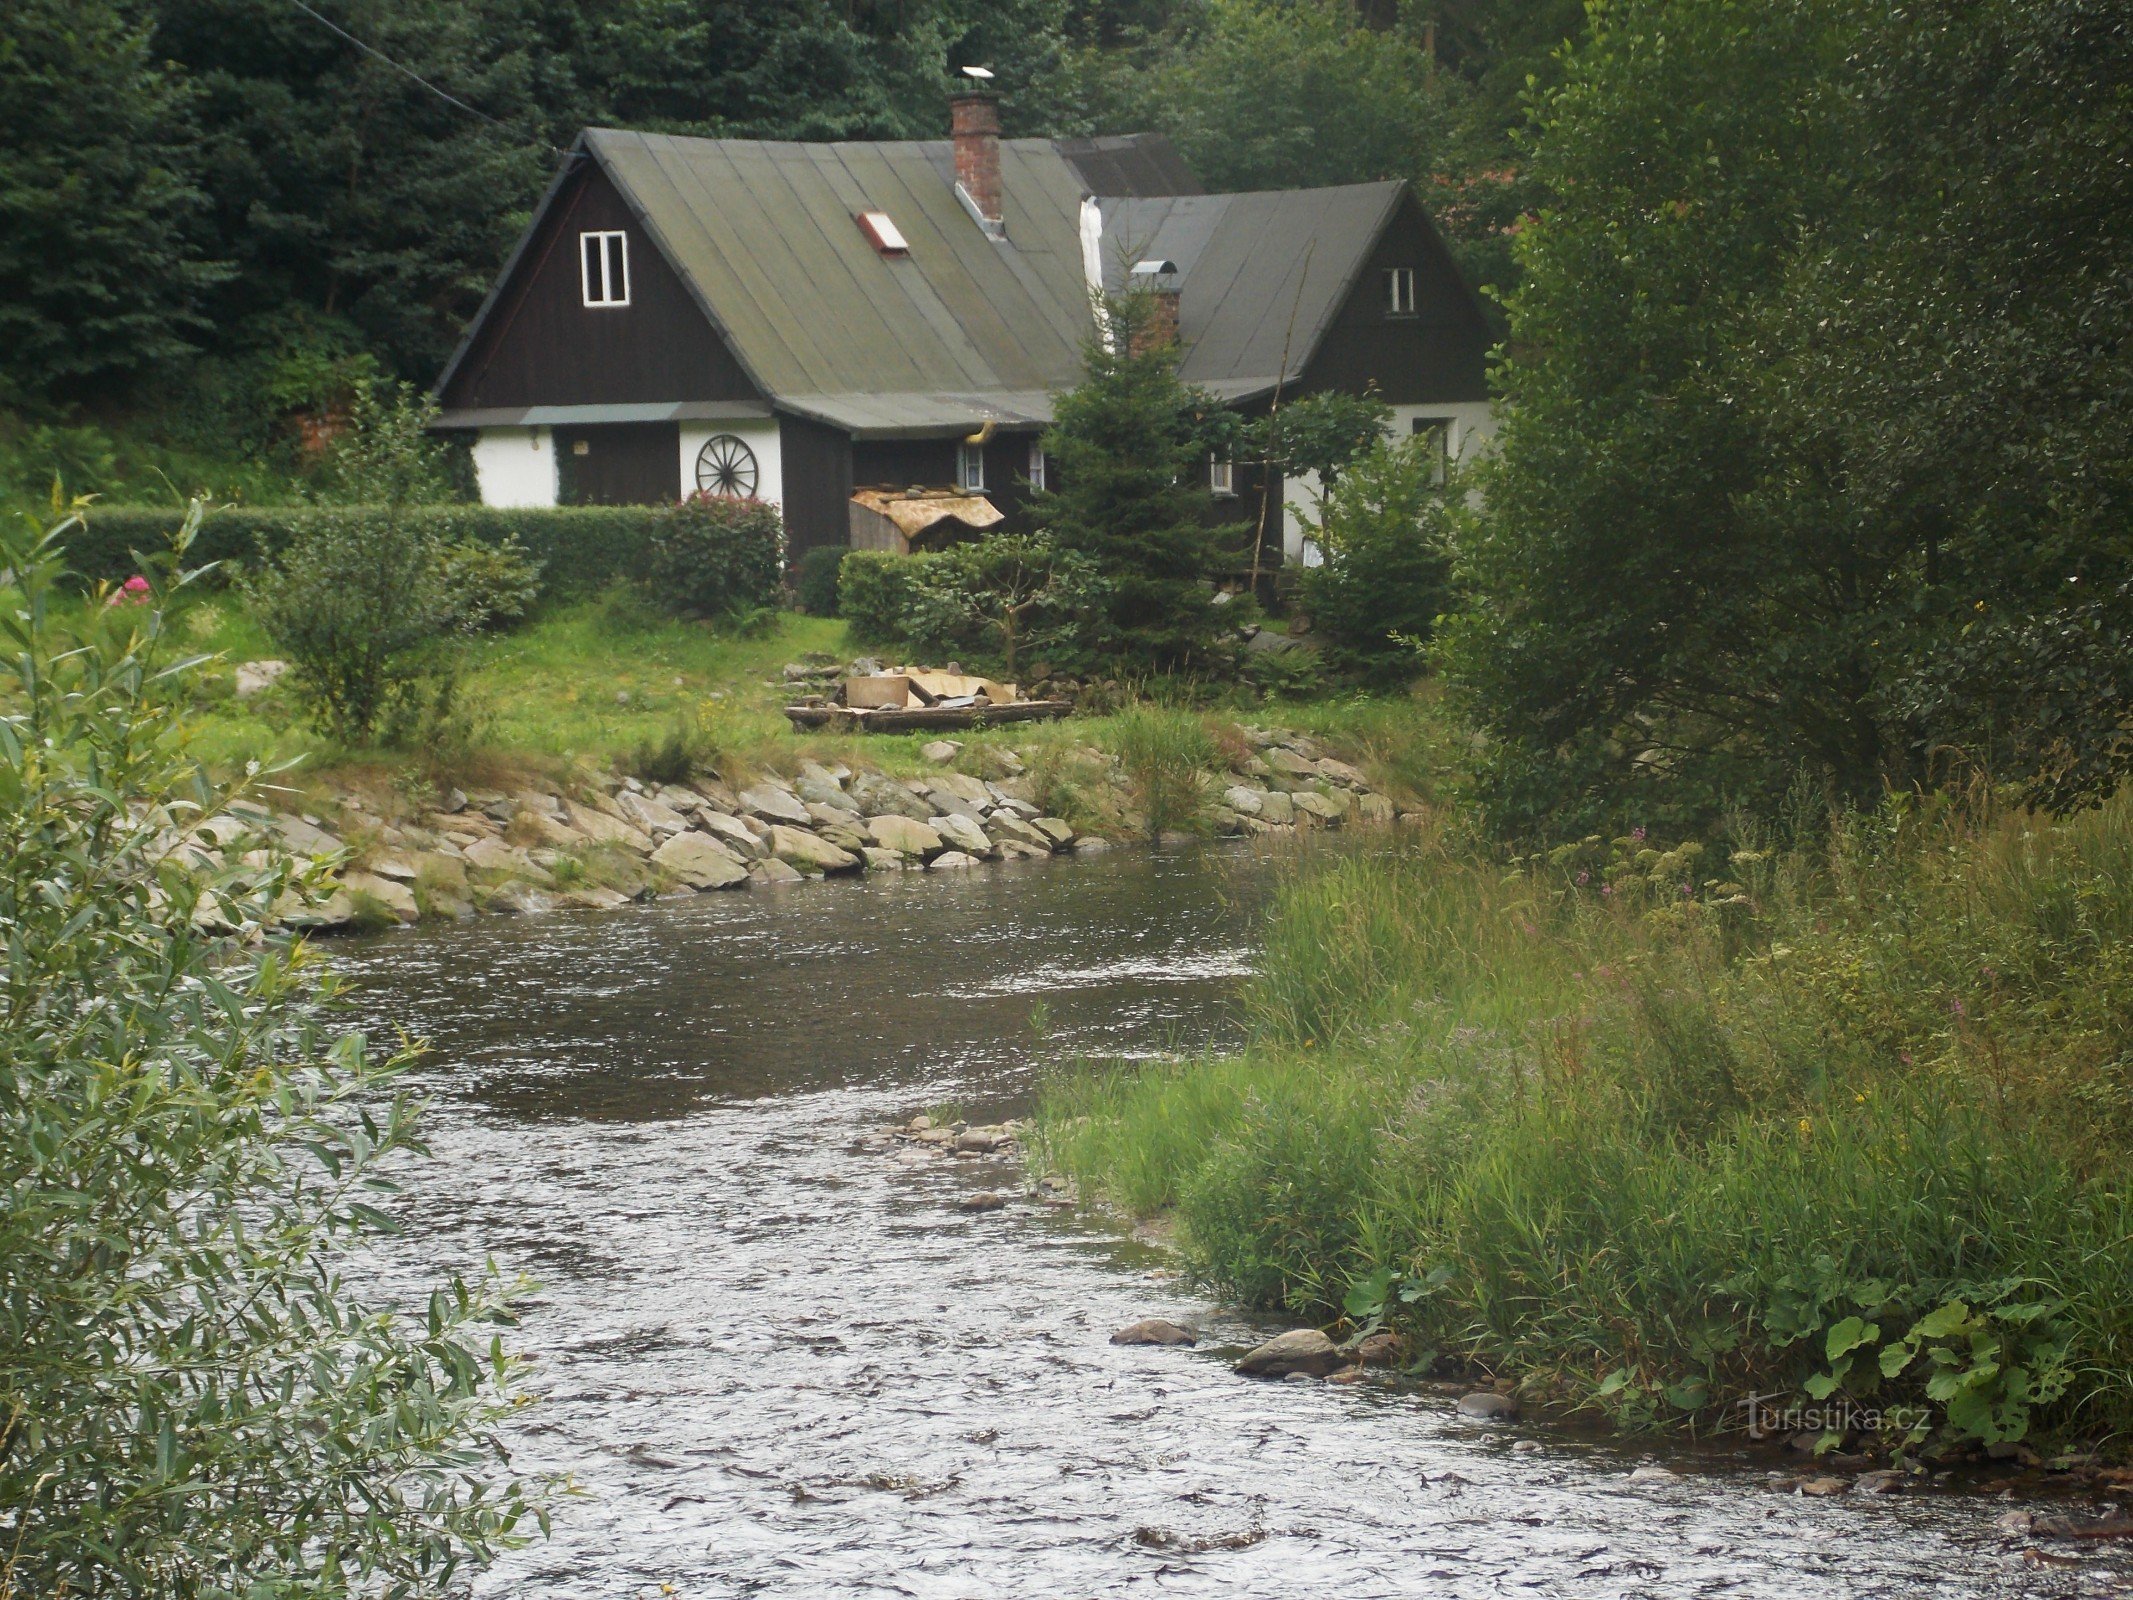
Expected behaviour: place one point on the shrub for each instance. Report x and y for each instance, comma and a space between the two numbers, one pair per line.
580, 550
717, 556
358, 605
875, 589
1385, 580
191, 1402
815, 579
488, 585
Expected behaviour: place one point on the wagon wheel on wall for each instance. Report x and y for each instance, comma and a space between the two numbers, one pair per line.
726, 467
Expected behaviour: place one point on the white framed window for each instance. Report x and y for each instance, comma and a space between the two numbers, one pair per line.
1400, 292
1221, 475
604, 267
970, 465
1037, 466
1434, 434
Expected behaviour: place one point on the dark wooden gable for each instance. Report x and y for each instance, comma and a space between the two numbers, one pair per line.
541, 345
1437, 353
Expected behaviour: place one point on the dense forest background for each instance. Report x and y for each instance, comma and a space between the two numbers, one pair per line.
1815, 462
224, 212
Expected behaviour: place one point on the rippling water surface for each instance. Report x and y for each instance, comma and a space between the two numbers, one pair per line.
777, 1364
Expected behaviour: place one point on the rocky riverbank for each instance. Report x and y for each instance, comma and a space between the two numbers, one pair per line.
604, 840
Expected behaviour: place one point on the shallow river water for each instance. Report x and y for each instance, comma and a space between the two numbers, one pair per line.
776, 1364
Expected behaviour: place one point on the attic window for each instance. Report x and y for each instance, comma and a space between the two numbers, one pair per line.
1400, 292
1221, 476
604, 268
970, 466
882, 233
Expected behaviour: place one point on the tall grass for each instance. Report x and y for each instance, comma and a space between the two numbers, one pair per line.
1644, 1127
1167, 756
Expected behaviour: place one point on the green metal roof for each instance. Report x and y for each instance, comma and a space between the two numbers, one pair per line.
764, 234
1261, 275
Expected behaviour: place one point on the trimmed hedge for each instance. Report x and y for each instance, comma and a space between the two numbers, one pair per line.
581, 549
715, 556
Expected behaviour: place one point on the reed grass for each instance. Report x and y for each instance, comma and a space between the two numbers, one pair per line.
1643, 1126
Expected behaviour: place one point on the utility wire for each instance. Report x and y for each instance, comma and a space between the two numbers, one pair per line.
409, 72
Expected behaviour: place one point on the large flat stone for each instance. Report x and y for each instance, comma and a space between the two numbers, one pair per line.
806, 853
1327, 808
607, 829
1299, 1350
880, 796
962, 832
700, 861
905, 836
1278, 809
732, 831
655, 817
1289, 763
824, 791
395, 897
774, 804
493, 855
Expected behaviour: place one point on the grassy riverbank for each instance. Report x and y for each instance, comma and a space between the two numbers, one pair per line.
611, 685
1649, 1131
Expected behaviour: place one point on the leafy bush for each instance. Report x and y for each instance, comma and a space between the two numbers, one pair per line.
488, 585
815, 579
717, 556
875, 590
1386, 576
995, 599
191, 1402
359, 606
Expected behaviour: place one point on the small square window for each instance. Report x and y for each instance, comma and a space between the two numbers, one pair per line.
1434, 434
604, 268
970, 465
1037, 466
1221, 475
1400, 292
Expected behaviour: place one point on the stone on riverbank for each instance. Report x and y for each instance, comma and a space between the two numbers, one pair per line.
961, 832
700, 861
1155, 1330
905, 835
771, 870
1484, 1406
774, 804
1301, 1350
951, 860
940, 751
808, 853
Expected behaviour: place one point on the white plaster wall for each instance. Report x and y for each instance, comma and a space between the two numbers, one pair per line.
1473, 425
759, 434
515, 466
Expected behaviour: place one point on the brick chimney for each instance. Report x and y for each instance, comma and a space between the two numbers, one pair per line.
1158, 280
975, 122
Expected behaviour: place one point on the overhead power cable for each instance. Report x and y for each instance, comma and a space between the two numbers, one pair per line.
409, 72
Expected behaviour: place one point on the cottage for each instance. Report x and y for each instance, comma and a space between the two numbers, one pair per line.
800, 321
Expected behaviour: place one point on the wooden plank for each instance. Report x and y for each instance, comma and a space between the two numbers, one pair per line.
928, 719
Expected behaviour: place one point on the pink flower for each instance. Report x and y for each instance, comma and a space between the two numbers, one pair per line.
133, 592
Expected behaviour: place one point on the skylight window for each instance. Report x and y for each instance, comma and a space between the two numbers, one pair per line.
882, 233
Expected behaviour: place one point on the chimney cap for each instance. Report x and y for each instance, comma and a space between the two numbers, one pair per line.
1155, 273
982, 75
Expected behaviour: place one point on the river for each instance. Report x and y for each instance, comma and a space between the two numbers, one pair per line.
776, 1363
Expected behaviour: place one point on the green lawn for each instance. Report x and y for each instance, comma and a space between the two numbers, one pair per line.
606, 683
